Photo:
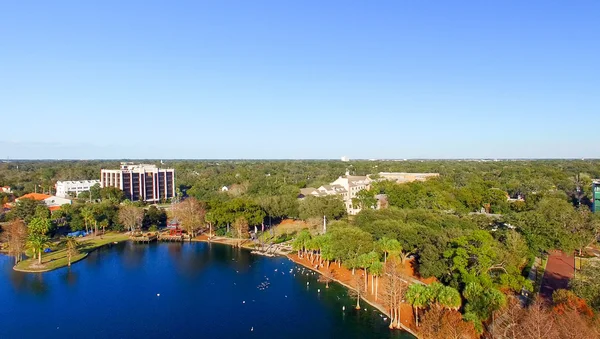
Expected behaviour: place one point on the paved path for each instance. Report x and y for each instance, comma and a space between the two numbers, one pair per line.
559, 271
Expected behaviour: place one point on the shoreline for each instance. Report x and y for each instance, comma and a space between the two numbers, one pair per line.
292, 258
96, 243
15, 268
378, 306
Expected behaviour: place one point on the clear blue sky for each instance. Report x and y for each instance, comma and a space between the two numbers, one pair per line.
299, 79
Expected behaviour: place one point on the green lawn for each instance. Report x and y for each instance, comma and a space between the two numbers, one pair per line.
58, 257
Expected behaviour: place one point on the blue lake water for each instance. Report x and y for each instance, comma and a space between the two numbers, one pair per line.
206, 291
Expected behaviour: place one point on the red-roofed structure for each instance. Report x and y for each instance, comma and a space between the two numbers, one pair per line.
34, 196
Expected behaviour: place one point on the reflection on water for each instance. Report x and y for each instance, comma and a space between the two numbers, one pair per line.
177, 290
29, 283
69, 277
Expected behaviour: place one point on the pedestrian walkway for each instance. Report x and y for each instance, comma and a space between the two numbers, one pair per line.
559, 271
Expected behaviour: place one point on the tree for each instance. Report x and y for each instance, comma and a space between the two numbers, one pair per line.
326, 277
364, 261
418, 296
39, 226
25, 209
509, 319
191, 214
15, 235
95, 192
155, 216
394, 288
387, 246
586, 284
332, 207
446, 296
365, 199
112, 193
240, 228
71, 247
131, 217
300, 242
447, 324
482, 303
538, 323
376, 270
356, 291
88, 215
41, 211
36, 242
585, 228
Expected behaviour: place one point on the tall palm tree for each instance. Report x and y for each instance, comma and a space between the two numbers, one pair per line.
88, 216
37, 242
71, 246
418, 296
376, 269
364, 262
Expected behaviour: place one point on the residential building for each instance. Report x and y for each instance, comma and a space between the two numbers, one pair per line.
596, 195
348, 186
141, 182
52, 202
66, 189
6, 189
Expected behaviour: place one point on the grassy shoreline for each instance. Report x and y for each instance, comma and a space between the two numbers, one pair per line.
58, 257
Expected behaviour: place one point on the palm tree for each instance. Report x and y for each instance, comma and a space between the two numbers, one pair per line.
88, 216
37, 242
387, 246
376, 270
404, 256
300, 242
71, 245
449, 297
418, 296
364, 261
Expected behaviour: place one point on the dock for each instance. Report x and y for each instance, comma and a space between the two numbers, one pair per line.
144, 238
168, 237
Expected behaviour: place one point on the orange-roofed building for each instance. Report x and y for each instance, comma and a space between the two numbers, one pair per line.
34, 196
53, 203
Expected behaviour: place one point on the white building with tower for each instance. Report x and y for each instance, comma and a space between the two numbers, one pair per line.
66, 189
141, 182
348, 186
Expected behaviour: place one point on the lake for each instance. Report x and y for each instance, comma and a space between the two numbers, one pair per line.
174, 290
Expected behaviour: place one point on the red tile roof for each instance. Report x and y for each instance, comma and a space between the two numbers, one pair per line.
34, 196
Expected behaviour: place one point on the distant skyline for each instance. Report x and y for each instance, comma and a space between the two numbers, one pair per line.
299, 80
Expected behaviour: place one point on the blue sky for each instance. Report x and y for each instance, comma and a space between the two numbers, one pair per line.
299, 79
